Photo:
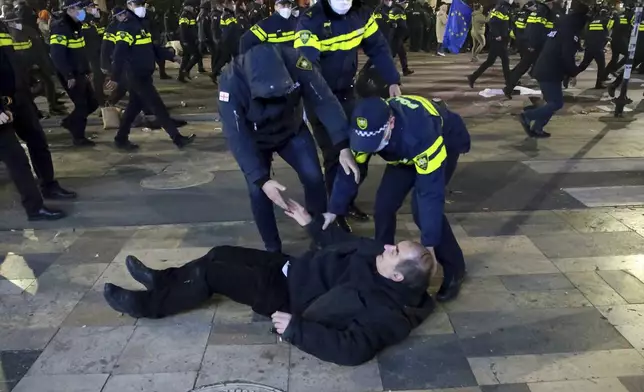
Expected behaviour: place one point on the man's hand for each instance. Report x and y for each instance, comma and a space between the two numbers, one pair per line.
348, 163
281, 321
6, 117
272, 189
71, 83
328, 219
177, 59
89, 77
394, 90
297, 212
105, 71
498, 38
530, 49
111, 85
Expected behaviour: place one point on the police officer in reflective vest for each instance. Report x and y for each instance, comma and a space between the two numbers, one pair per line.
93, 33
329, 35
67, 49
398, 30
595, 41
136, 55
620, 34
421, 141
231, 33
278, 28
189, 37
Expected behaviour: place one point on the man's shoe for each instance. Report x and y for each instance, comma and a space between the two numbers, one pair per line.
122, 300
202, 70
525, 123
126, 145
45, 213
140, 273
343, 224
56, 192
182, 141
182, 78
507, 92
83, 142
357, 214
407, 72
449, 290
164, 76
470, 81
540, 134
611, 90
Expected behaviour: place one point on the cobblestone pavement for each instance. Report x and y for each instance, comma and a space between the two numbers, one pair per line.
552, 230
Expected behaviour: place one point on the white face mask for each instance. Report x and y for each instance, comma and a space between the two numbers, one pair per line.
95, 12
340, 7
140, 12
510, 1
17, 26
285, 12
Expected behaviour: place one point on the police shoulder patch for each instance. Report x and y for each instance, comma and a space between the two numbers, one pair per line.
305, 36
303, 63
421, 161
59, 38
361, 122
122, 34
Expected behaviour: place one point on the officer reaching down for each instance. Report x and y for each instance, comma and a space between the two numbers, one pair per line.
421, 141
260, 97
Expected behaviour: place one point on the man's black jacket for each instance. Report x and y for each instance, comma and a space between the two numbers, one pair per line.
557, 59
343, 310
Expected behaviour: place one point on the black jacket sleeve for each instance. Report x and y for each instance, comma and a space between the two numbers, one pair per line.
569, 45
59, 51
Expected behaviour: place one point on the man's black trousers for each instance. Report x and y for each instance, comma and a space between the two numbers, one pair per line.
82, 95
248, 276
497, 49
527, 60
598, 55
191, 56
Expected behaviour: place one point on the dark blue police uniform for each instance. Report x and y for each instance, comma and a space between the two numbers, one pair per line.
422, 153
260, 97
67, 49
274, 30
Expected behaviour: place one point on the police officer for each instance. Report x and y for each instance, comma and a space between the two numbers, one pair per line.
637, 60
257, 11
329, 35
421, 141
499, 33
231, 33
555, 63
93, 33
381, 15
595, 41
215, 29
206, 40
538, 25
188, 33
20, 115
429, 28
67, 48
399, 32
415, 23
620, 34
154, 24
260, 96
107, 51
278, 28
135, 55
520, 24
241, 13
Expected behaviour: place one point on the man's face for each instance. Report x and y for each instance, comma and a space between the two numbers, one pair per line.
388, 260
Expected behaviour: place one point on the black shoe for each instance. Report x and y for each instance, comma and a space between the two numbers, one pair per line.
165, 76
507, 92
83, 142
56, 192
599, 86
182, 78
45, 213
179, 123
122, 300
470, 81
357, 214
344, 225
525, 124
125, 145
540, 134
449, 290
142, 274
566, 82
407, 72
611, 90
182, 141
202, 70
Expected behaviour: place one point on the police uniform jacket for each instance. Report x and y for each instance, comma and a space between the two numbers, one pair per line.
557, 58
538, 26
242, 20
397, 20
520, 22
597, 32
381, 14
7, 72
499, 22
423, 133
108, 44
23, 48
93, 37
256, 12
257, 116
67, 48
188, 32
331, 41
215, 24
231, 31
274, 29
203, 25
621, 30
135, 50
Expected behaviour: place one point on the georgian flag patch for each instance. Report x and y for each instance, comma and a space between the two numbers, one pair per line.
224, 96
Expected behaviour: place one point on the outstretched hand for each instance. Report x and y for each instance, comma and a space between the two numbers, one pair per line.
298, 213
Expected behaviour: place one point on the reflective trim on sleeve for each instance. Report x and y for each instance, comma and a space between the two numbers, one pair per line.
58, 39
259, 33
124, 36
6, 39
431, 159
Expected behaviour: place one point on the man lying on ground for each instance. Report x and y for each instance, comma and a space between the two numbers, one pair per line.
342, 301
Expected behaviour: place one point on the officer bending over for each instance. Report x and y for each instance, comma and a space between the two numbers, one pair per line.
343, 302
260, 97
421, 141
136, 55
278, 28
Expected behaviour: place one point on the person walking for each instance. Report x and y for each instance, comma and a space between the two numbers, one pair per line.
441, 26
478, 31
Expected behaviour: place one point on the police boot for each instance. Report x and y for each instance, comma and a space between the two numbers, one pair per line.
357, 214
46, 213
471, 80
182, 141
164, 76
125, 145
182, 77
142, 274
54, 191
124, 301
599, 86
83, 142
450, 288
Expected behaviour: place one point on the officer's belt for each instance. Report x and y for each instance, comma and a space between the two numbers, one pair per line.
347, 41
24, 45
72, 43
186, 21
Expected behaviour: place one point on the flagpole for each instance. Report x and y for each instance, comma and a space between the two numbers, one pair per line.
623, 99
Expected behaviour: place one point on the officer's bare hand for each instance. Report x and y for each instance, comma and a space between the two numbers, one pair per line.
328, 219
90, 77
111, 85
281, 321
71, 83
348, 163
6, 117
394, 90
298, 213
272, 189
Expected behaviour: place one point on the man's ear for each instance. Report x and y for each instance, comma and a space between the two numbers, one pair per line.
397, 277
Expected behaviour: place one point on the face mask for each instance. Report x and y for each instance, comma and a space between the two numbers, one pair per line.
510, 1
385, 139
388, 3
284, 12
140, 12
17, 26
80, 15
340, 7
295, 13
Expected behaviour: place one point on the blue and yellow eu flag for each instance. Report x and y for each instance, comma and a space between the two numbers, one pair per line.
458, 25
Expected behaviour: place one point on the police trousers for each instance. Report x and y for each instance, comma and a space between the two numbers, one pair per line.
143, 95
300, 153
191, 56
497, 49
17, 163
82, 95
248, 276
98, 77
527, 61
398, 49
597, 54
397, 181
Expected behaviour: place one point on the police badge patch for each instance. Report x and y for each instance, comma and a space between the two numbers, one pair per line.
303, 63
59, 38
361, 122
422, 162
305, 36
122, 34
